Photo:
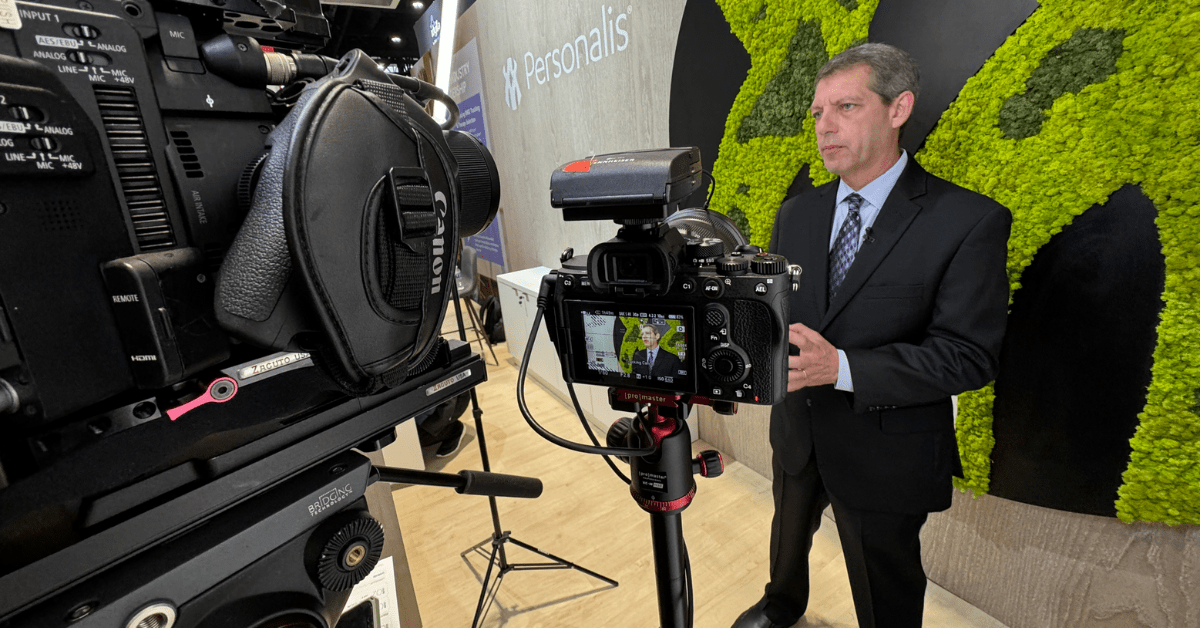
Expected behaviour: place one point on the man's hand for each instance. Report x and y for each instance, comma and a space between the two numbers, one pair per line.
817, 363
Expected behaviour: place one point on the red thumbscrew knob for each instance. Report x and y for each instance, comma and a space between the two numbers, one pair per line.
708, 464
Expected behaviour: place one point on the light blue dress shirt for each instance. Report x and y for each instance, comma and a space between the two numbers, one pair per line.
874, 194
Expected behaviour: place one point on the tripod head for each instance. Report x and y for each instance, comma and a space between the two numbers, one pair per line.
662, 482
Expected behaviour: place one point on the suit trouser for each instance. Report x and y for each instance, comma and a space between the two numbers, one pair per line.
882, 552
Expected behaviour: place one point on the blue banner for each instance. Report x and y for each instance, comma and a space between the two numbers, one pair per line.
466, 89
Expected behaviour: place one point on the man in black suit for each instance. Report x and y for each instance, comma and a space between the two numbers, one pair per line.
903, 305
654, 361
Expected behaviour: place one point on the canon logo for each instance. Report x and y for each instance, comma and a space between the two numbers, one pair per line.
439, 243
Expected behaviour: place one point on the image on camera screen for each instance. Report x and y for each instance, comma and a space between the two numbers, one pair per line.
635, 348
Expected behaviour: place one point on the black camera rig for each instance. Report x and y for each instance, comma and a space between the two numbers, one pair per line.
226, 260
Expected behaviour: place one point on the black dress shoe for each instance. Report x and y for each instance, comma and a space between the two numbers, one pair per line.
756, 617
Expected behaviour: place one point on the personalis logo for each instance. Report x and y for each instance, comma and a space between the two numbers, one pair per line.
435, 28
604, 40
512, 86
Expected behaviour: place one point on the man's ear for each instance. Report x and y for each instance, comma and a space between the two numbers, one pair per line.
901, 108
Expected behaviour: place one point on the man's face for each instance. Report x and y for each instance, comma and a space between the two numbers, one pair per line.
649, 337
856, 133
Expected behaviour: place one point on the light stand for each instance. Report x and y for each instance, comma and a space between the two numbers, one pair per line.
498, 560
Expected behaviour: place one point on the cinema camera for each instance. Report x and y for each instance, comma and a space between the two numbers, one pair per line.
666, 317
226, 261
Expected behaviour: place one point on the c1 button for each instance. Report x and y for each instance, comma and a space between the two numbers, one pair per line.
713, 288
688, 285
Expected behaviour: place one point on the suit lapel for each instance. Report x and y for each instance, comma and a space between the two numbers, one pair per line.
817, 267
893, 220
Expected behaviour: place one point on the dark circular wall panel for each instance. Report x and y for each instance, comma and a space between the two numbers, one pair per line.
1076, 359
710, 66
950, 40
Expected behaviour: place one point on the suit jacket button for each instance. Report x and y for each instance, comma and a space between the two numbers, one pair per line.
809, 402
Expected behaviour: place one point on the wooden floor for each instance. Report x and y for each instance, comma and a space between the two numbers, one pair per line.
586, 516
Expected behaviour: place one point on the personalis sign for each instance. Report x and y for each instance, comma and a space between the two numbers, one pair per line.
608, 37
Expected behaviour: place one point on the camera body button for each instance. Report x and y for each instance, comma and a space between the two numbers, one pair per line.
713, 288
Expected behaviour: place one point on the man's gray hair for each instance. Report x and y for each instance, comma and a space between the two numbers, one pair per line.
893, 71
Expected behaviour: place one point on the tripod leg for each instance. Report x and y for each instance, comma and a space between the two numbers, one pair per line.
480, 334
566, 563
487, 595
488, 592
666, 530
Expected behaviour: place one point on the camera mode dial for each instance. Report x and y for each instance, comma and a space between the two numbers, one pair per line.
733, 265
768, 264
706, 251
727, 365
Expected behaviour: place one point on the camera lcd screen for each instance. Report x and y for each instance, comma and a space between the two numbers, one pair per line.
633, 346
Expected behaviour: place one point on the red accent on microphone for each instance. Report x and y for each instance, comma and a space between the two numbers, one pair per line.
579, 166
649, 505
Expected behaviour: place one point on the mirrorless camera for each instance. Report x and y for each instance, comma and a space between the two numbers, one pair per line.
658, 310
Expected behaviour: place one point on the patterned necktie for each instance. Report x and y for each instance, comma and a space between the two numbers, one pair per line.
842, 255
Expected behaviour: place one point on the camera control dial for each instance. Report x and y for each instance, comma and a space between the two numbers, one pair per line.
706, 251
733, 265
768, 264
727, 365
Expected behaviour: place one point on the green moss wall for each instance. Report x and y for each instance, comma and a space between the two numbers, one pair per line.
1085, 97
